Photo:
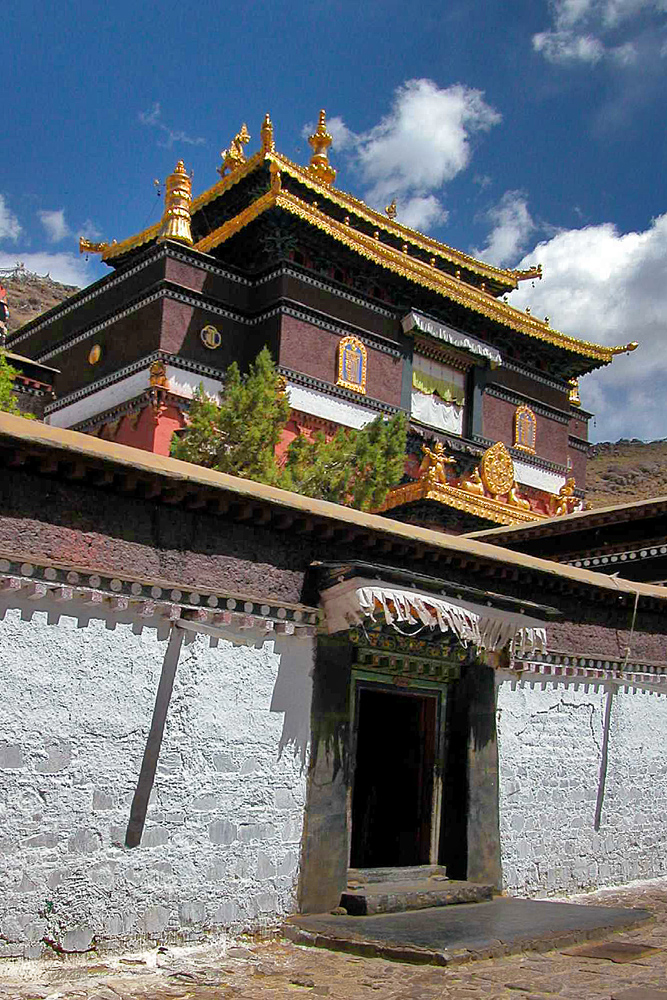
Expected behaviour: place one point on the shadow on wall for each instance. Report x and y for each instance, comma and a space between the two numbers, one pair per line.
292, 693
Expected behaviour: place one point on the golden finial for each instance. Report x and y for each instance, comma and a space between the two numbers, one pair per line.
390, 209
234, 157
320, 141
177, 197
575, 399
266, 133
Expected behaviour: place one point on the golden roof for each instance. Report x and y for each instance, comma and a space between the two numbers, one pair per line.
371, 247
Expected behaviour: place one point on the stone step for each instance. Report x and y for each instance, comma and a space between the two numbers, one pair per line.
399, 897
408, 874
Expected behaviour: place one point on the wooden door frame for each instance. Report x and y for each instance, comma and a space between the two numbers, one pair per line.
409, 687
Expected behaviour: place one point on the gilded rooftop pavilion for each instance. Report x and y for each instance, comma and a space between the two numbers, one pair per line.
362, 314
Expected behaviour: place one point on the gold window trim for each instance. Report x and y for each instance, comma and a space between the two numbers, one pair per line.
525, 429
355, 343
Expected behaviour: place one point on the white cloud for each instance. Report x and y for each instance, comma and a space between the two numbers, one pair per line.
54, 224
152, 119
585, 31
421, 212
609, 288
68, 268
10, 228
88, 230
424, 142
512, 225
425, 139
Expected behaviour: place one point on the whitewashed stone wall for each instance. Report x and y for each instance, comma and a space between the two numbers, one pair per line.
549, 744
221, 844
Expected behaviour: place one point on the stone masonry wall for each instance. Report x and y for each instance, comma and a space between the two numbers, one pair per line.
549, 744
221, 843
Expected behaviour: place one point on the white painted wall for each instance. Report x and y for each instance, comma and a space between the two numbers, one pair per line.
549, 744
221, 844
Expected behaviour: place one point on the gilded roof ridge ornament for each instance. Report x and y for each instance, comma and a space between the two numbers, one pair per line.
234, 157
534, 271
266, 134
175, 223
320, 141
390, 209
88, 246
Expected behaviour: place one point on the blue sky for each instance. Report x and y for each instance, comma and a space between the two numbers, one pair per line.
520, 131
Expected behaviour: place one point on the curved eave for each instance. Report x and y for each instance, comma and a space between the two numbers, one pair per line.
412, 269
503, 276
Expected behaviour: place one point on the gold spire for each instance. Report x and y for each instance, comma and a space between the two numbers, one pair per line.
266, 133
176, 218
320, 141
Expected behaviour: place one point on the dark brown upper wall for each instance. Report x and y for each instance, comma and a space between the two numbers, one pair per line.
340, 308
551, 440
122, 343
579, 427
67, 322
533, 388
181, 334
310, 349
225, 290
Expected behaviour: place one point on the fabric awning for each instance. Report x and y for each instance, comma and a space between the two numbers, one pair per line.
416, 321
357, 600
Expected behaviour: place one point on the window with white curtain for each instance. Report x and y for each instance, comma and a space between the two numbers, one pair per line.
438, 394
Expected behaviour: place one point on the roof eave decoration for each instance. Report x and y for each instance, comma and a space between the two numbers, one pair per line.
400, 262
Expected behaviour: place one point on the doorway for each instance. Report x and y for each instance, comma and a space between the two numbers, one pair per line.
394, 812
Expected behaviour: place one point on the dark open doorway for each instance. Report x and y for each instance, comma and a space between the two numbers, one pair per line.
392, 803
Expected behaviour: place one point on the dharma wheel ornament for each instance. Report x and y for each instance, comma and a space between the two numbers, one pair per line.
497, 469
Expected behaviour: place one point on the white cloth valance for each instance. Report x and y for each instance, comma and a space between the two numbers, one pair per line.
415, 321
432, 411
356, 600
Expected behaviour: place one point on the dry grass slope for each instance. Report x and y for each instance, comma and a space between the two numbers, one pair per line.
624, 471
30, 294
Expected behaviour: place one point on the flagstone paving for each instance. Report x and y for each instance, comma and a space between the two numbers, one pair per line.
272, 969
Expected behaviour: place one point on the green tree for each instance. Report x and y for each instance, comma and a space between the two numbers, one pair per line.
356, 467
239, 435
8, 401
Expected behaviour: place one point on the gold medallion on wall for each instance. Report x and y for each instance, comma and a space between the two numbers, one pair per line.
94, 354
211, 337
497, 469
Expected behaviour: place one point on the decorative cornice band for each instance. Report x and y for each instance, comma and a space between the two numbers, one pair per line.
578, 444
518, 399
172, 359
628, 555
294, 271
366, 402
558, 667
156, 602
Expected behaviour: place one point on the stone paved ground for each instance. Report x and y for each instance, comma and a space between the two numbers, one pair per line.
273, 969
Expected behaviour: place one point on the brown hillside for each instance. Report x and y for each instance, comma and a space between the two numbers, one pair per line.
626, 470
30, 294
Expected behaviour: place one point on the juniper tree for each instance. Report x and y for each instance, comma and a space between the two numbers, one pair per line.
239, 433
8, 401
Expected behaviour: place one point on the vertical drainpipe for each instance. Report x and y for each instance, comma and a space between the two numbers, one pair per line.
406, 380
477, 379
